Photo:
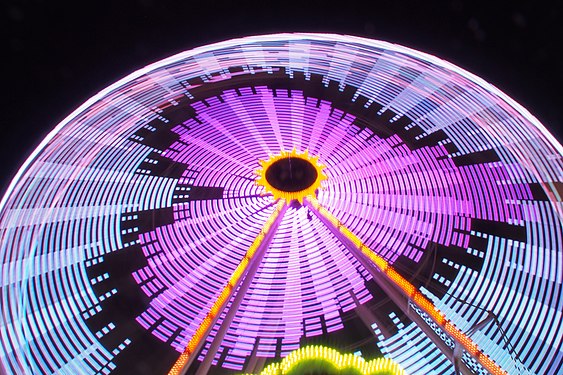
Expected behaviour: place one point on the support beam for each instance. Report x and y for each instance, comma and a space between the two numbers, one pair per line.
241, 292
403, 293
196, 342
368, 317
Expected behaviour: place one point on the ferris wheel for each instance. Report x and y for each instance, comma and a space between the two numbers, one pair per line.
288, 196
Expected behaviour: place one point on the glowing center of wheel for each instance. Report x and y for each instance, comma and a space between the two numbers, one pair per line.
290, 175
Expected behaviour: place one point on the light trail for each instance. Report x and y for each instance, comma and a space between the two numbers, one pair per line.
182, 363
408, 289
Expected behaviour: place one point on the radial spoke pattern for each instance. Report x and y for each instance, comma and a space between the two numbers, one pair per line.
304, 263
120, 232
240, 272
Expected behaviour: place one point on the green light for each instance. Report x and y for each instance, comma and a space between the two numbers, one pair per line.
321, 359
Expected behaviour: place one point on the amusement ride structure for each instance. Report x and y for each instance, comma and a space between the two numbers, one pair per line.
265, 202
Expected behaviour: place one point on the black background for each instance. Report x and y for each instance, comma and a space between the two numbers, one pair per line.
59, 54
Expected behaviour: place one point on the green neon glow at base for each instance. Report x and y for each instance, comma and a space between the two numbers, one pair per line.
330, 361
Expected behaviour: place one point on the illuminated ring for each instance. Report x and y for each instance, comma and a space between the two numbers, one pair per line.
123, 226
290, 175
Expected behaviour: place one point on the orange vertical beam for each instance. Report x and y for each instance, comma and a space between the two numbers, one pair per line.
409, 290
186, 358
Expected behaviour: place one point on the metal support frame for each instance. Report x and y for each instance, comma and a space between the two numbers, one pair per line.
243, 282
240, 293
377, 268
396, 295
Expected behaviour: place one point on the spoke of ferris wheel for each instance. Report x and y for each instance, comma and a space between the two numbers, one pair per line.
403, 294
242, 276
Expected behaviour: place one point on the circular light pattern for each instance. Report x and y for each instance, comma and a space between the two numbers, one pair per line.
122, 232
291, 175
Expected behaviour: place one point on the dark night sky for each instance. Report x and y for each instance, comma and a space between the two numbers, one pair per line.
59, 54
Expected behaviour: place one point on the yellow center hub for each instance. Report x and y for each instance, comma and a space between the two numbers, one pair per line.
290, 175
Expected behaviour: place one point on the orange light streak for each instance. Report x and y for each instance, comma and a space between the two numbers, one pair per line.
225, 294
412, 292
